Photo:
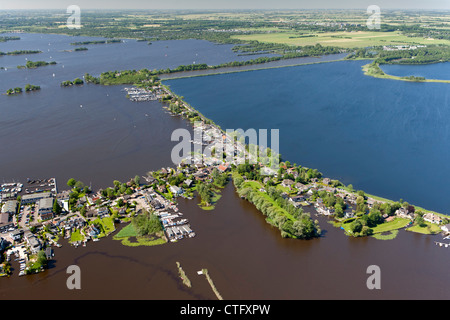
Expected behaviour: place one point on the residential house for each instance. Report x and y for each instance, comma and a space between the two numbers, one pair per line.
188, 182
301, 187
433, 218
176, 191
32, 241
405, 213
224, 167
287, 183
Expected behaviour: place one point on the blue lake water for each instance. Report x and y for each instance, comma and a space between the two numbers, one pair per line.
386, 137
439, 71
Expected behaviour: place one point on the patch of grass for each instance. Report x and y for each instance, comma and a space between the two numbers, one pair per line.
128, 232
389, 236
106, 226
183, 276
429, 228
395, 224
143, 241
125, 232
76, 236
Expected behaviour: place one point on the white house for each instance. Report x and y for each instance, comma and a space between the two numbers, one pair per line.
176, 191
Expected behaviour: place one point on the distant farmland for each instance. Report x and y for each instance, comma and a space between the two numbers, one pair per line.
342, 39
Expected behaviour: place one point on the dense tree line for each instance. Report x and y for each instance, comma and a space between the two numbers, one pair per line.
279, 212
18, 52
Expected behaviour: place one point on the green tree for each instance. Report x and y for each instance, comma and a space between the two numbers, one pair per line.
57, 209
71, 182
356, 226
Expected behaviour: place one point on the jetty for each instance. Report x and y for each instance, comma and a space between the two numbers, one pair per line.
440, 244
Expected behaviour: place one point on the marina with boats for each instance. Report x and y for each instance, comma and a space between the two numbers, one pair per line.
141, 94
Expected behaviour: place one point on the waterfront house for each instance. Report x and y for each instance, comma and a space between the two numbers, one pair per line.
32, 241
405, 213
433, 218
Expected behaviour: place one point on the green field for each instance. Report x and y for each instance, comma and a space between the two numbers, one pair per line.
430, 228
129, 232
106, 226
357, 39
395, 224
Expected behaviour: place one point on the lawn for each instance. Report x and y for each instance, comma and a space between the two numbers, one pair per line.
106, 225
76, 236
129, 232
395, 224
342, 39
430, 228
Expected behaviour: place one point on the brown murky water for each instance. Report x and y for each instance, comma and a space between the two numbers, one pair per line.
247, 259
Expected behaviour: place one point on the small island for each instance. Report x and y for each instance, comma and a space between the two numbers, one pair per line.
68, 83
36, 64
96, 42
28, 88
19, 52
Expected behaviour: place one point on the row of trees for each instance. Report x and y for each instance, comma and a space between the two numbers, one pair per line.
18, 52
120, 188
279, 212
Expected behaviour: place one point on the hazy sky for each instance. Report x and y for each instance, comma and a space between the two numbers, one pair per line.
225, 4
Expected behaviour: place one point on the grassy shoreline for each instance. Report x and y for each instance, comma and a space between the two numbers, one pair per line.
373, 69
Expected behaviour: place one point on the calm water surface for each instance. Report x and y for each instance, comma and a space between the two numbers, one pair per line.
429, 71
